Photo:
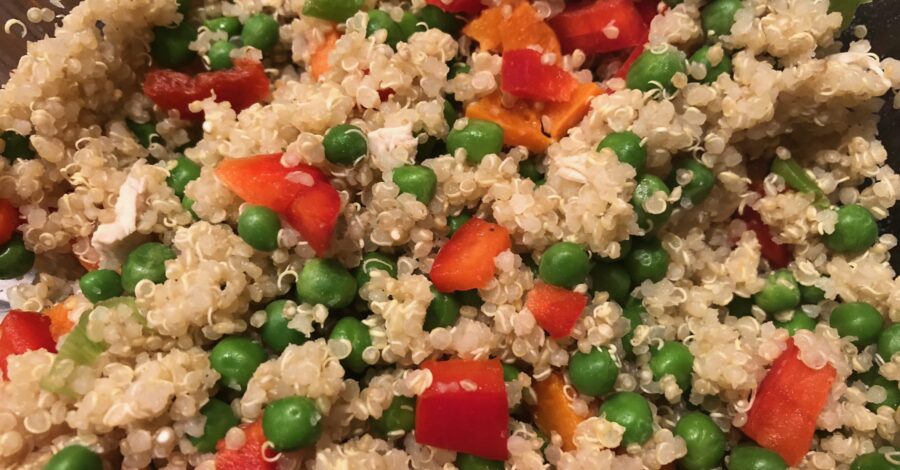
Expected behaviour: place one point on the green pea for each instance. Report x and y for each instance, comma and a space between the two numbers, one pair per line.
458, 68
873, 461
675, 359
628, 149
260, 31
779, 293
470, 297
613, 278
357, 333
398, 419
811, 295
443, 311
374, 261
471, 462
510, 372
236, 358
100, 285
326, 282
704, 439
188, 205
712, 71
740, 306
333, 10
75, 457
856, 230
15, 259
275, 332
565, 264
624, 249
749, 457
184, 172
529, 169
632, 311
219, 55
647, 260
799, 321
631, 411
847, 9
892, 392
420, 181
259, 226
16, 146
410, 24
145, 133
147, 261
889, 342
655, 69
169, 48
379, 20
219, 419
479, 138
593, 374
292, 423
701, 183
345, 144
229, 24
450, 113
436, 18
717, 17
857, 319
647, 186
454, 222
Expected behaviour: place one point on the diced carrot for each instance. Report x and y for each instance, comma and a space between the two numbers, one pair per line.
521, 124
497, 32
59, 320
318, 62
563, 116
553, 411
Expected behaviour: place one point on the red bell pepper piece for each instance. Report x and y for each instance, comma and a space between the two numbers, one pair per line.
648, 9
242, 86
314, 213
626, 66
21, 332
467, 260
524, 75
250, 456
555, 309
465, 408
600, 26
9, 220
458, 6
262, 180
787, 405
777, 254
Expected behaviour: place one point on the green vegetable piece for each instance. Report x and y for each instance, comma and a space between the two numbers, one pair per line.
260, 31
470, 297
717, 17
797, 179
450, 112
479, 138
357, 333
236, 358
471, 462
333, 10
510, 372
612, 277
631, 411
458, 68
229, 24
219, 419
811, 295
275, 332
15, 259
647, 186
147, 261
647, 260
185, 171
436, 18
740, 306
857, 319
632, 311
847, 9
420, 181
856, 230
145, 133
889, 342
443, 311
379, 20
565, 264
219, 55
292, 423
188, 205
454, 222
675, 359
100, 285
259, 226
750, 457
326, 282
799, 321
345, 144
779, 293
593, 374
374, 261
529, 169
700, 180
724, 65
704, 439
892, 392
655, 69
169, 48
410, 24
16, 146
75, 457
398, 418
628, 148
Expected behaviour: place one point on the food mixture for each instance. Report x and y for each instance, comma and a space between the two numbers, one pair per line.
440, 234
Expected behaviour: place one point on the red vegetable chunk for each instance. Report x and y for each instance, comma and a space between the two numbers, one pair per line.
600, 26
524, 75
465, 408
467, 260
787, 405
775, 253
314, 214
262, 180
458, 6
9, 220
21, 332
250, 456
555, 309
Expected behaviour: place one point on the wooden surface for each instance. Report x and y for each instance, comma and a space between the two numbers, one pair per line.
12, 45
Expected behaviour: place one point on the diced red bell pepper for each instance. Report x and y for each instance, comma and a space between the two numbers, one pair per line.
648, 9
251, 456
314, 214
787, 405
458, 6
776, 254
626, 66
465, 408
600, 26
21, 332
555, 309
467, 260
243, 85
9, 220
262, 180
524, 75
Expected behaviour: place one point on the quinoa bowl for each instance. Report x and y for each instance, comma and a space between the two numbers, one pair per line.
340, 234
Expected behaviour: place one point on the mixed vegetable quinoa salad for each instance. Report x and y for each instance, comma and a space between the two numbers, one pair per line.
439, 234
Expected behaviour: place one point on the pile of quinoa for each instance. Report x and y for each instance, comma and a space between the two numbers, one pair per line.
795, 92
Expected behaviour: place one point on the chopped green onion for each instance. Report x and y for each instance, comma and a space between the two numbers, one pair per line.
797, 178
